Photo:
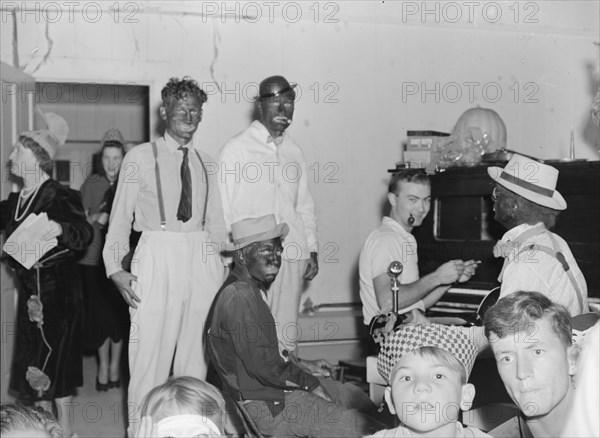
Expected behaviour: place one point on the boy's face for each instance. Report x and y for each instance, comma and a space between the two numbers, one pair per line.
427, 394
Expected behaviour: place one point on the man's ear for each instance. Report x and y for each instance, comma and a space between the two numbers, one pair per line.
467, 396
572, 357
392, 199
388, 399
163, 112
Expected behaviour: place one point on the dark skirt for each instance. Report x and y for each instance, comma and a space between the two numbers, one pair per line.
106, 312
62, 314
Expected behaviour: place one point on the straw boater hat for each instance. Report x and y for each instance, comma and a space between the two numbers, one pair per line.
257, 229
411, 337
530, 179
54, 136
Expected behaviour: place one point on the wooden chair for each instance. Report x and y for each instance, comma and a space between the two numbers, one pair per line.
250, 427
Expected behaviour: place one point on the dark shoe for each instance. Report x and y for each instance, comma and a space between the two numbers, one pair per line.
114, 384
101, 386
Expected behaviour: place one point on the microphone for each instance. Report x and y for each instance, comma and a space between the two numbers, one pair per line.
394, 270
411, 219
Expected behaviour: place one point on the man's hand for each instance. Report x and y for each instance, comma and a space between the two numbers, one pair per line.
122, 280
450, 271
312, 267
102, 218
470, 268
319, 366
319, 391
53, 229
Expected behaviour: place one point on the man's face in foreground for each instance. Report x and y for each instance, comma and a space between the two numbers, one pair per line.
535, 366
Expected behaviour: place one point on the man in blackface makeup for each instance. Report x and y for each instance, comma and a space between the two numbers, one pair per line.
263, 171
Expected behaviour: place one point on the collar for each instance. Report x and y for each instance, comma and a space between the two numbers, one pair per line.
516, 234
512, 241
264, 134
391, 223
173, 146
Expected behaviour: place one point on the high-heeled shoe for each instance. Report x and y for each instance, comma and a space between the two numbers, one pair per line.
114, 383
102, 387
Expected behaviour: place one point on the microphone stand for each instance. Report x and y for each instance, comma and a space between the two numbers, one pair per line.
394, 271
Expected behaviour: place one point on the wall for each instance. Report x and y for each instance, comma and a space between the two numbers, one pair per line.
364, 59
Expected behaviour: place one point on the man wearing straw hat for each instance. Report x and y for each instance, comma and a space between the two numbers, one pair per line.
279, 392
263, 171
527, 203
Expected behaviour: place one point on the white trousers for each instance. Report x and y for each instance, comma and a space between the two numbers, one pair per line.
178, 276
284, 300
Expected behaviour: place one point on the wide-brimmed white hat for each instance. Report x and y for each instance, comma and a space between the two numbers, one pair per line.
530, 179
256, 229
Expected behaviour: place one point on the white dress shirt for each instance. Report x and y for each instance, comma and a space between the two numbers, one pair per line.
259, 178
136, 197
538, 271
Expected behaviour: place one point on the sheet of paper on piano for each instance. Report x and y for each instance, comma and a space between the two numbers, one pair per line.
26, 245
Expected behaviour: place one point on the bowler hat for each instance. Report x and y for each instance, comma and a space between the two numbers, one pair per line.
274, 86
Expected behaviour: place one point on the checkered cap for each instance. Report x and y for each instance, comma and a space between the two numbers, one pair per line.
411, 337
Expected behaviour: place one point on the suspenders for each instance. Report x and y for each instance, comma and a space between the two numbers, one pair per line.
161, 205
554, 252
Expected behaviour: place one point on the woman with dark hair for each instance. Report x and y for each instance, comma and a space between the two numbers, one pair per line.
107, 319
47, 362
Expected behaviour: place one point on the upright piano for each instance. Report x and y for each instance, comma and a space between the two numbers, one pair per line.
461, 225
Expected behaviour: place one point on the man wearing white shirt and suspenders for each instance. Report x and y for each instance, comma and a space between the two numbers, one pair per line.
165, 190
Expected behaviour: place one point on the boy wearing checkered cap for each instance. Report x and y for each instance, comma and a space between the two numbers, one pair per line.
426, 368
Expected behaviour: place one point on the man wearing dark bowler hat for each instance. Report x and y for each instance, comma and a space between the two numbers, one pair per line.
527, 203
281, 393
263, 171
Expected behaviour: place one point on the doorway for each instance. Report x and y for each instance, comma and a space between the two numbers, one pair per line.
90, 110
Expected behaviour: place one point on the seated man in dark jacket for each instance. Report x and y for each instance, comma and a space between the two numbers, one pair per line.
278, 390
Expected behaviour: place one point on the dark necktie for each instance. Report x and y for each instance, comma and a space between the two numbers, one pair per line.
184, 212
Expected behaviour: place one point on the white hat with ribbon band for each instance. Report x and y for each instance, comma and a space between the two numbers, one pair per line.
530, 179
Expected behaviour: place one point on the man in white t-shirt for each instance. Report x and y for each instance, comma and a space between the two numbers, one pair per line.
409, 194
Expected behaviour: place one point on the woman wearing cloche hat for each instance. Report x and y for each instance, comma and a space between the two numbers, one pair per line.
47, 365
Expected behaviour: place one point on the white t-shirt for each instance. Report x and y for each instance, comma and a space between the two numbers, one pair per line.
389, 242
